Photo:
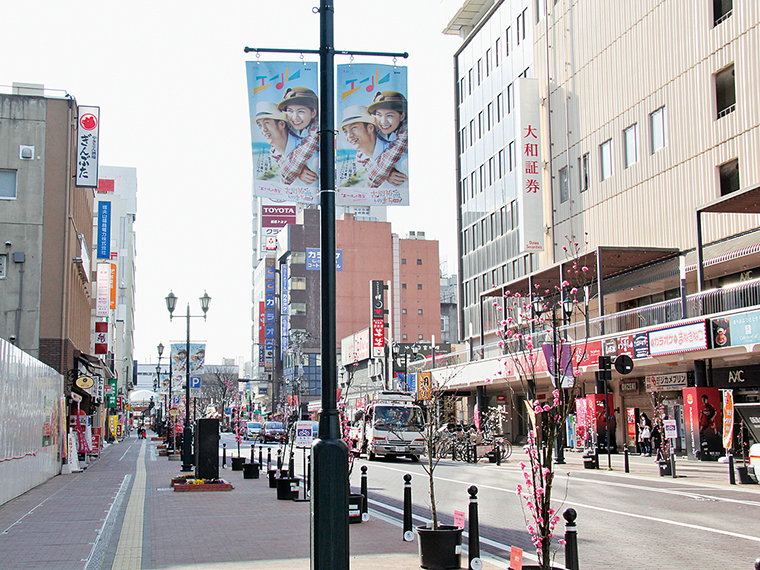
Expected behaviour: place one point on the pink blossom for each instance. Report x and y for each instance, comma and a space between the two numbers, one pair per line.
562, 541
584, 268
565, 283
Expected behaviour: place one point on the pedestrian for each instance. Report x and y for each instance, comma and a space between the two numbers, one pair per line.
657, 442
645, 435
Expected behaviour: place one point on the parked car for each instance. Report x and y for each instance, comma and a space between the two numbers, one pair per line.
253, 430
273, 431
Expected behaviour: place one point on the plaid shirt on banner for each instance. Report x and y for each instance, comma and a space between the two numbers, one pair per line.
291, 165
379, 169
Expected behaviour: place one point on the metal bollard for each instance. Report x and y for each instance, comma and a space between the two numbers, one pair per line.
308, 477
408, 534
454, 452
261, 450
253, 447
291, 466
673, 464
365, 505
224, 455
625, 457
757, 564
498, 455
279, 458
473, 542
731, 473
269, 459
571, 540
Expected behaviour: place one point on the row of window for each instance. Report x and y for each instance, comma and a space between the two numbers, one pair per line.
490, 227
419, 286
495, 168
403, 311
505, 273
403, 261
488, 118
493, 57
658, 140
7, 184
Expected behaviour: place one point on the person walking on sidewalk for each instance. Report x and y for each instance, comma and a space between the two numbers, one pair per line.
645, 435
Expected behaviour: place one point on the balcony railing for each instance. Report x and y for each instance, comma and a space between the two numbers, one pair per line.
742, 296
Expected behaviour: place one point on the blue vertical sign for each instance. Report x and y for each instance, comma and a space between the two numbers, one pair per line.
104, 230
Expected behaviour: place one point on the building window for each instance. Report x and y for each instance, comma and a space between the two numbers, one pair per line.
403, 285
499, 107
480, 71
501, 163
297, 309
722, 10
404, 337
583, 172
419, 262
297, 284
3, 266
631, 140
659, 129
472, 132
729, 177
469, 82
725, 91
496, 50
403, 311
488, 62
605, 155
419, 337
480, 125
525, 21
519, 27
403, 261
419, 311
510, 97
512, 156
489, 116
564, 190
462, 93
7, 184
445, 323
506, 41
419, 286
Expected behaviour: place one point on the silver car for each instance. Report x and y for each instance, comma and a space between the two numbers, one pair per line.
253, 430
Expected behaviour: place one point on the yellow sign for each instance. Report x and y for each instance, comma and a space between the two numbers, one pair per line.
424, 385
85, 382
113, 422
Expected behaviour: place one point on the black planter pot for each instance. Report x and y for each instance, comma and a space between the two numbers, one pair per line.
440, 549
742, 475
251, 471
237, 463
355, 508
287, 488
665, 469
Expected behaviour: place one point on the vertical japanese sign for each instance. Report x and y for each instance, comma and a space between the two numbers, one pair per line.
378, 318
284, 108
530, 198
101, 337
112, 304
103, 299
104, 230
88, 136
728, 418
372, 161
261, 334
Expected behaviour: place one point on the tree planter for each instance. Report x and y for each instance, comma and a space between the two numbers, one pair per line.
742, 475
251, 471
272, 474
665, 469
440, 549
237, 463
185, 488
287, 488
355, 508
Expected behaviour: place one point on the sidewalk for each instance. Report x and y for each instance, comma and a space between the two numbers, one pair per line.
122, 514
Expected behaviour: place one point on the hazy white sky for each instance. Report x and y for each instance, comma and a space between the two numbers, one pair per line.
170, 81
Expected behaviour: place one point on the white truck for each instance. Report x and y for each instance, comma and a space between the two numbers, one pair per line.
390, 426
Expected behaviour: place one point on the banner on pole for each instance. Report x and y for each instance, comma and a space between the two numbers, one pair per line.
372, 162
284, 108
179, 360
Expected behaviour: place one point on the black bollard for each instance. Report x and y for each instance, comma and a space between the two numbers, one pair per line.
625, 458
673, 464
473, 542
571, 540
261, 450
269, 459
253, 447
224, 455
497, 449
308, 477
408, 534
291, 466
365, 505
757, 564
731, 474
279, 458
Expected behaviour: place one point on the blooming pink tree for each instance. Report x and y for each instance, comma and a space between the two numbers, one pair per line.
532, 346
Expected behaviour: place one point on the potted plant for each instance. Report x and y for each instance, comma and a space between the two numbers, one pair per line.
440, 545
533, 345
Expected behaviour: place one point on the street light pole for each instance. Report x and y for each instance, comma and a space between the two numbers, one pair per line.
187, 434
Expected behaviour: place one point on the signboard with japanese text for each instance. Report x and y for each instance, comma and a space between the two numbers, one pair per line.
424, 385
88, 137
103, 298
112, 295
679, 338
666, 382
530, 199
745, 328
314, 259
377, 301
104, 230
101, 337
284, 110
372, 158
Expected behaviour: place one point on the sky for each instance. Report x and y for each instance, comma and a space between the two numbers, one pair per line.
169, 79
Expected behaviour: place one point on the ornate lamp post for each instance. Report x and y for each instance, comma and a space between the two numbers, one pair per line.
187, 434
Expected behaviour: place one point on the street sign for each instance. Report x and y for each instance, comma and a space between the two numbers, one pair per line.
195, 387
173, 412
304, 434
671, 431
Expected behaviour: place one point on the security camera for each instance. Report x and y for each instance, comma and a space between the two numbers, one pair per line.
8, 244
12, 338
